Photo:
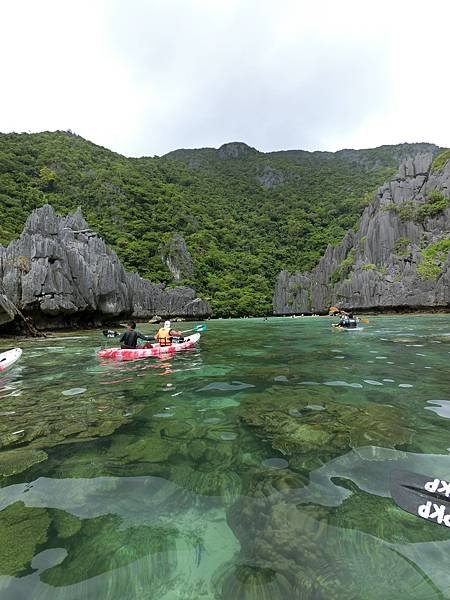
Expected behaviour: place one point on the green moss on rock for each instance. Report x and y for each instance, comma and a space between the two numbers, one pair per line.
343, 271
19, 460
303, 433
65, 524
401, 246
440, 161
435, 204
27, 528
434, 255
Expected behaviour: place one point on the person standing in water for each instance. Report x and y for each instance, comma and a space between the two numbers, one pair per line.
165, 334
129, 339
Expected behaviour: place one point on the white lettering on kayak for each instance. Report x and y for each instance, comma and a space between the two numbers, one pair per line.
425, 511
433, 487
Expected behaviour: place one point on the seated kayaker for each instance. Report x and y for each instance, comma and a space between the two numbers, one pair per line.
129, 339
165, 334
348, 321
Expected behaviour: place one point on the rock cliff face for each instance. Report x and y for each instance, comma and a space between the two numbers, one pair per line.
398, 259
7, 308
177, 258
60, 273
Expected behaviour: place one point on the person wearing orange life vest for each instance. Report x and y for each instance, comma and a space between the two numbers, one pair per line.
165, 334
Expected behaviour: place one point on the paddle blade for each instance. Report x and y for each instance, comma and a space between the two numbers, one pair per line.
199, 328
364, 321
108, 333
422, 496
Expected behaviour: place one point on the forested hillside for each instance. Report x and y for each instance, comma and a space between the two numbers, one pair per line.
245, 215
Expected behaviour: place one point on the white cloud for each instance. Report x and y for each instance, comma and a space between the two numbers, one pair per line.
149, 76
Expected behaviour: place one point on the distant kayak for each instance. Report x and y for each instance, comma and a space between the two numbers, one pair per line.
155, 350
9, 357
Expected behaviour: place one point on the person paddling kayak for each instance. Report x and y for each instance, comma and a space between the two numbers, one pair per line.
165, 334
348, 321
129, 339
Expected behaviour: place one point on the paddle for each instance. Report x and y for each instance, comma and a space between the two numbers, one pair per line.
422, 496
196, 329
363, 320
108, 333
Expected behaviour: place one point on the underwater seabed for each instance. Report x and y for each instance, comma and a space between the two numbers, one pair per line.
230, 472
112, 535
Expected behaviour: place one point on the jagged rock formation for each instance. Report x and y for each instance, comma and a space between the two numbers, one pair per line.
177, 258
398, 258
7, 308
61, 273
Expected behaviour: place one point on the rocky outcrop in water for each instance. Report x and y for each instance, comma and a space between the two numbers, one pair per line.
398, 259
61, 273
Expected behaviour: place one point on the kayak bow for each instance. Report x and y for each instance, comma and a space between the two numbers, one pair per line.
9, 357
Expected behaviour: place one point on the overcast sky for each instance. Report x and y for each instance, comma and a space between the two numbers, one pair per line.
144, 77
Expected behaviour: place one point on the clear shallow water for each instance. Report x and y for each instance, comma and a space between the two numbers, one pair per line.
255, 466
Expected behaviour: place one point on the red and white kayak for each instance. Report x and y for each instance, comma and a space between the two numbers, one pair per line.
9, 357
155, 350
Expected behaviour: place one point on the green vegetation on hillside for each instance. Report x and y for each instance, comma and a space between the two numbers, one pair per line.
401, 247
344, 269
434, 255
408, 210
435, 204
244, 215
440, 161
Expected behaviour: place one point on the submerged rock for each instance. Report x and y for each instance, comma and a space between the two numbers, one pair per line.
46, 420
250, 582
304, 434
65, 524
19, 460
22, 531
296, 551
102, 544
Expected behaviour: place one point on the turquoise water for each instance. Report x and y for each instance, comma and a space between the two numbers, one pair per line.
254, 466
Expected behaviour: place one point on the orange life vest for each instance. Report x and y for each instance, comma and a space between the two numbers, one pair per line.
162, 336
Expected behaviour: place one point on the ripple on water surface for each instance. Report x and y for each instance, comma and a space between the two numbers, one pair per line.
74, 391
154, 485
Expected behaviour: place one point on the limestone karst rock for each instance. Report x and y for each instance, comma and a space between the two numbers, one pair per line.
61, 273
398, 258
177, 258
7, 308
